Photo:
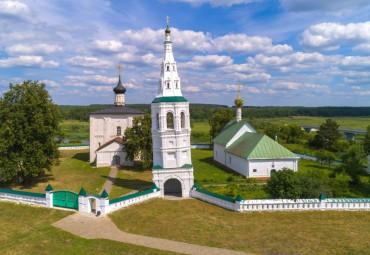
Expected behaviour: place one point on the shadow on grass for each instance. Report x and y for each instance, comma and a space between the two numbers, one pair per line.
83, 156
44, 178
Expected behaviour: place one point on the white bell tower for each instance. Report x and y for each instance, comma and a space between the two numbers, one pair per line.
172, 167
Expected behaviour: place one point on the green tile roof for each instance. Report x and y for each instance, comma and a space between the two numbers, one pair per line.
257, 146
169, 99
229, 131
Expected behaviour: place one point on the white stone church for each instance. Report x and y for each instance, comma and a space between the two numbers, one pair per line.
107, 127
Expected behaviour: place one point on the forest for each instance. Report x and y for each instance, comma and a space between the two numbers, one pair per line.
203, 112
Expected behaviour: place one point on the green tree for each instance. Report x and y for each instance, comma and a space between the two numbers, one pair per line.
367, 141
138, 140
324, 156
312, 185
284, 184
219, 120
272, 131
353, 160
327, 135
29, 132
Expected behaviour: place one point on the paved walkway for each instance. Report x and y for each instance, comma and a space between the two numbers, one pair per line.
91, 227
110, 181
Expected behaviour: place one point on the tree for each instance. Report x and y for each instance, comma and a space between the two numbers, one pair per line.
353, 159
324, 156
312, 185
138, 140
367, 141
327, 135
284, 184
219, 120
29, 132
272, 131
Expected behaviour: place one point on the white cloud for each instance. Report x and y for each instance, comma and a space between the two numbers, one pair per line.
16, 11
51, 83
254, 77
356, 62
36, 49
89, 62
216, 3
147, 59
79, 81
27, 61
243, 44
286, 85
364, 48
190, 89
331, 36
108, 45
207, 62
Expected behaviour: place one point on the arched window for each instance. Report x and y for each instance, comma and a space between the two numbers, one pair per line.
177, 84
168, 68
170, 120
168, 84
182, 120
157, 121
118, 131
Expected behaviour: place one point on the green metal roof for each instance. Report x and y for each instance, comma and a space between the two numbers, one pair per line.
104, 194
82, 192
169, 99
257, 146
49, 188
229, 131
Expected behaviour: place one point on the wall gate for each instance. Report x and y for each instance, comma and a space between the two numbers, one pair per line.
64, 198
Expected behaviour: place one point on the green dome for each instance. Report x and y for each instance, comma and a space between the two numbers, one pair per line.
239, 102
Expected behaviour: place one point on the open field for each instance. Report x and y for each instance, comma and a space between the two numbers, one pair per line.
194, 221
73, 172
75, 130
28, 230
344, 122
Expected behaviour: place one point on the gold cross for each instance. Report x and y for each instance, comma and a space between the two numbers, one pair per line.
119, 69
167, 19
239, 90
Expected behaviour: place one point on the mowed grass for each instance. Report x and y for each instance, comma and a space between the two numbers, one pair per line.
194, 221
130, 179
73, 172
344, 122
28, 230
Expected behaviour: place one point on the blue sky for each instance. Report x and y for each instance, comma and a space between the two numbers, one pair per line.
283, 52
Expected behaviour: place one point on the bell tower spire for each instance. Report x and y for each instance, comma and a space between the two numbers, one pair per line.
239, 103
169, 84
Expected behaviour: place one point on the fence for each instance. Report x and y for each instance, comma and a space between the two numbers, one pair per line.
238, 204
74, 147
23, 197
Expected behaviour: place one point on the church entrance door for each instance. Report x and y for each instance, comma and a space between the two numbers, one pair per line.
173, 187
117, 160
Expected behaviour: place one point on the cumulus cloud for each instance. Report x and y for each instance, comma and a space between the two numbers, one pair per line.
286, 85
243, 44
253, 78
51, 83
207, 62
148, 59
36, 49
296, 61
16, 11
190, 89
28, 61
89, 62
356, 62
331, 36
82, 81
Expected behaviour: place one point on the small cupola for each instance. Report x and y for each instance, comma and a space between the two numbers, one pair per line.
119, 89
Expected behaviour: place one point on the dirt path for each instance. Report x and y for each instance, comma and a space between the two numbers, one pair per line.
91, 227
110, 181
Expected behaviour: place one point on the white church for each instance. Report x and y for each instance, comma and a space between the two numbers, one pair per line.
239, 148
107, 127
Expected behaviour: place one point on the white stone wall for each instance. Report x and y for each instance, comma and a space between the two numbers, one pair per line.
264, 166
183, 175
106, 155
219, 153
116, 206
24, 199
285, 204
103, 128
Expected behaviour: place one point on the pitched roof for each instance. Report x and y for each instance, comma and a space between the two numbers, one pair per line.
230, 130
119, 110
116, 139
257, 146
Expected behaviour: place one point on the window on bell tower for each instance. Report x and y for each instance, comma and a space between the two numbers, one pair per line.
157, 116
168, 84
170, 120
168, 68
118, 131
182, 120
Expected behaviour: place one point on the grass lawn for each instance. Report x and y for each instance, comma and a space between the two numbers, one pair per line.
200, 132
130, 179
194, 221
73, 172
28, 230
